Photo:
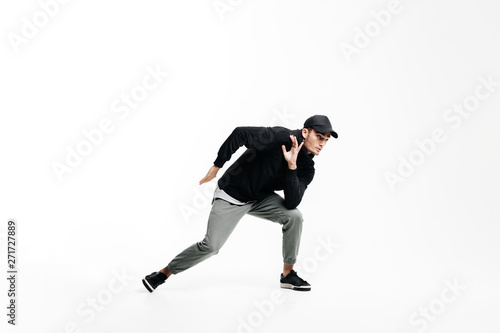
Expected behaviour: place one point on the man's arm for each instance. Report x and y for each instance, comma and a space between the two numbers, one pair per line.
294, 186
259, 138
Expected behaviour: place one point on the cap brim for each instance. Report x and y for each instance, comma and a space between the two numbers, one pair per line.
320, 129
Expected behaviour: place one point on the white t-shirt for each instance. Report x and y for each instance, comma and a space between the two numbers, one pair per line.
220, 194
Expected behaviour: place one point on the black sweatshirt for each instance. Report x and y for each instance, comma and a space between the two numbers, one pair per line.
262, 168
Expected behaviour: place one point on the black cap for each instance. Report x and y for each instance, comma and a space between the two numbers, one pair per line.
321, 124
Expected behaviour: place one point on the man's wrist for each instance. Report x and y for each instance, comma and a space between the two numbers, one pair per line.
292, 166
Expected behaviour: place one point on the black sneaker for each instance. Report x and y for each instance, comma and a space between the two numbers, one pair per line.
294, 282
153, 280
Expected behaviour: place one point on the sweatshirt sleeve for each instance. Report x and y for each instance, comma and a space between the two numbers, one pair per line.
259, 138
295, 186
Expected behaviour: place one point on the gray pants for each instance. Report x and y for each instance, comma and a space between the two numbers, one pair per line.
223, 219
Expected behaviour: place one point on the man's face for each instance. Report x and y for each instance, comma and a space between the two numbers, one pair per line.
314, 141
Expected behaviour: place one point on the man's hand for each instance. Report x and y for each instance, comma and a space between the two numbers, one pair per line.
291, 156
210, 175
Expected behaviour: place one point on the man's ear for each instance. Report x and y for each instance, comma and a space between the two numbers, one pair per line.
305, 133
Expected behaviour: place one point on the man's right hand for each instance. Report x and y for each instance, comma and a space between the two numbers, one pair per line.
210, 175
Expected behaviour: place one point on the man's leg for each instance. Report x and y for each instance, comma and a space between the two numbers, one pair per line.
273, 208
287, 269
222, 220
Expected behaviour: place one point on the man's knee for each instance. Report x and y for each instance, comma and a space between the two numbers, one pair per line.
296, 215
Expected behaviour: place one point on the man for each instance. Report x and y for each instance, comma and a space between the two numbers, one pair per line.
276, 159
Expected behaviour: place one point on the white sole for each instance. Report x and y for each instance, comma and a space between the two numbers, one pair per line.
148, 285
291, 286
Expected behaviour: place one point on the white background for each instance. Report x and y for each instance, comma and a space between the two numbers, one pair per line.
120, 209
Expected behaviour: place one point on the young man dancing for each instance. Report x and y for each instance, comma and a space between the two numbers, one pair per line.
276, 159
